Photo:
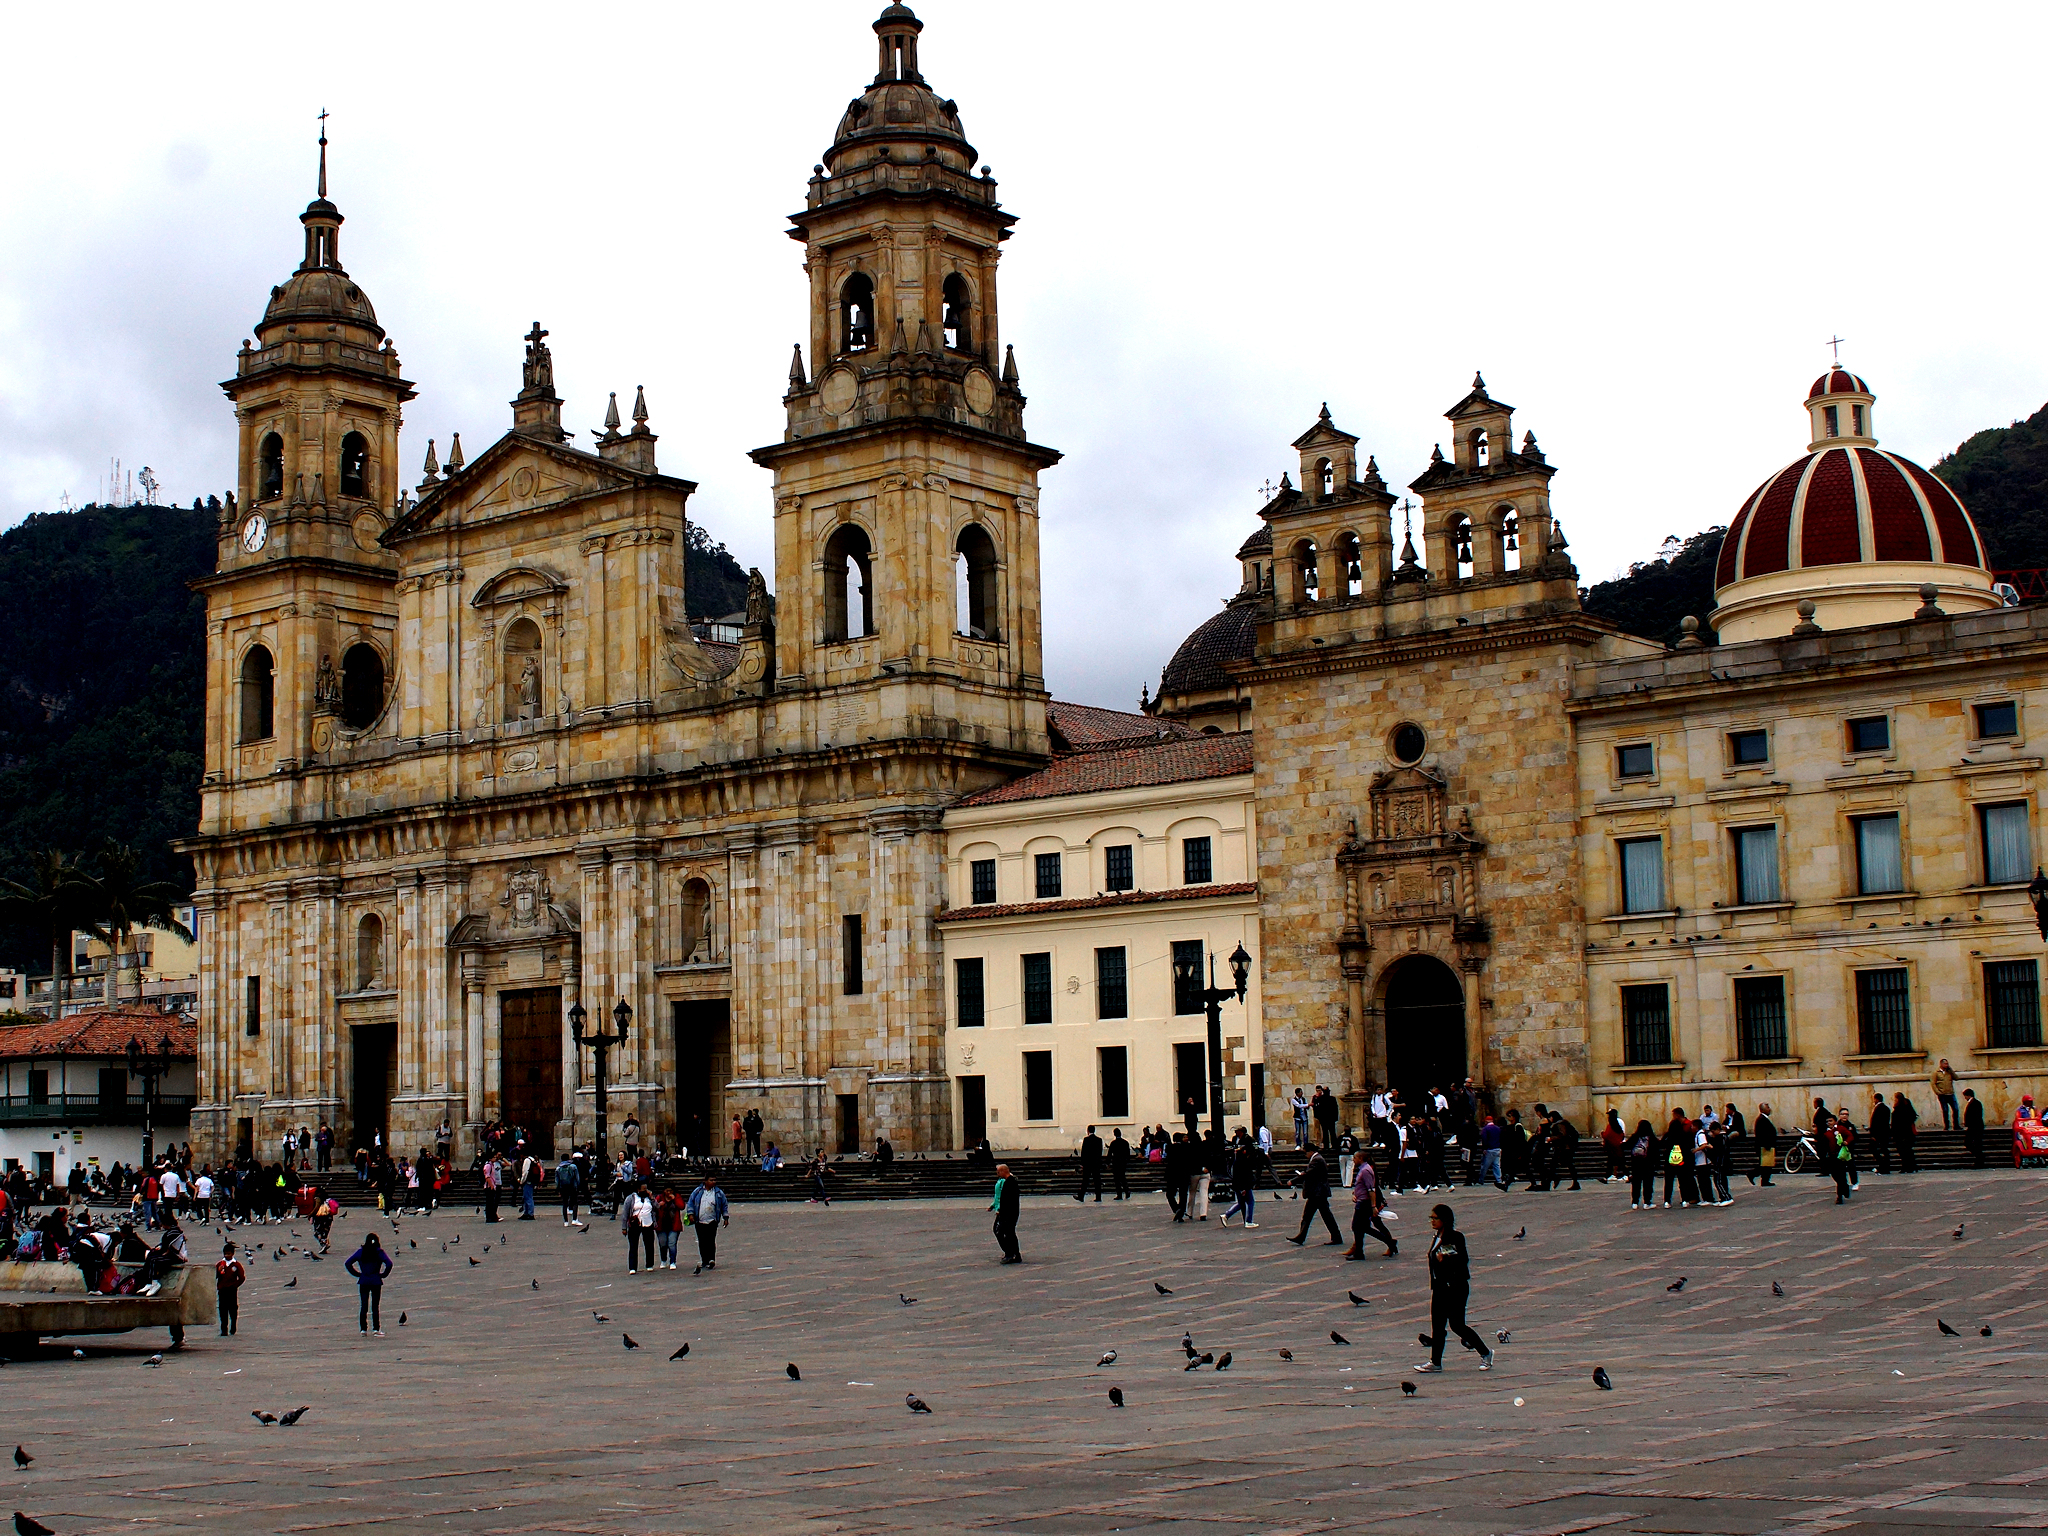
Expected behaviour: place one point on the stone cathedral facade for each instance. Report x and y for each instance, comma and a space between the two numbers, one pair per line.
467, 768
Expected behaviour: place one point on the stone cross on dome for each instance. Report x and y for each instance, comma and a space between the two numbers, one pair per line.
1836, 343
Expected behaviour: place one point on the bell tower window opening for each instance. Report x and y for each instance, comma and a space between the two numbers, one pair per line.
259, 681
369, 951
1482, 449
362, 686
857, 313
522, 670
270, 468
1856, 420
1833, 413
975, 559
355, 465
958, 315
1304, 558
1510, 539
1462, 564
1348, 563
1326, 479
849, 584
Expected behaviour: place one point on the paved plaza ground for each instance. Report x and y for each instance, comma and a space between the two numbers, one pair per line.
1839, 1408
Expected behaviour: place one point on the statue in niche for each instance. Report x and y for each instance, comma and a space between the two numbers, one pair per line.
326, 686
529, 691
758, 609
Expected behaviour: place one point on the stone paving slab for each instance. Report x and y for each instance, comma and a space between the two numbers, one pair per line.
1838, 1408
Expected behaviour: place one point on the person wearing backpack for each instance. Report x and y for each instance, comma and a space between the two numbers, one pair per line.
569, 1186
1676, 1151
1642, 1168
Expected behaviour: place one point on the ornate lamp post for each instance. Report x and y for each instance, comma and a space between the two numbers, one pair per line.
600, 1042
1188, 974
150, 1068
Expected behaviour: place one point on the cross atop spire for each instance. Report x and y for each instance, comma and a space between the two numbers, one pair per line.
323, 152
1836, 343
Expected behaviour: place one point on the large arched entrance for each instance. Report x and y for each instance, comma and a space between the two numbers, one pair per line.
1424, 1009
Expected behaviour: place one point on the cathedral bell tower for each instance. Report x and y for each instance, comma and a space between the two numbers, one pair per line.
300, 610
906, 493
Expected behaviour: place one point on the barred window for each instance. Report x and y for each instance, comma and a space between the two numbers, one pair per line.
1187, 996
1884, 1013
1116, 869
1646, 1025
2012, 1003
1111, 1001
983, 873
1038, 989
967, 993
1046, 866
1760, 1018
1194, 861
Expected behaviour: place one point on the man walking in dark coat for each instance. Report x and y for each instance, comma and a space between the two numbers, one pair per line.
1091, 1166
1881, 1134
1905, 1122
1119, 1165
1973, 1127
1315, 1198
1006, 1204
1450, 1288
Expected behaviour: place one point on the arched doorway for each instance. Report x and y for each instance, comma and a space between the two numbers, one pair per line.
1424, 1009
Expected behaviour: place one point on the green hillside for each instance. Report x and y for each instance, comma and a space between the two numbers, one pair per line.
102, 682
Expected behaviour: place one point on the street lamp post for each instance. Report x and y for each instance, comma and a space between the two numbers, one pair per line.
150, 1068
1188, 973
600, 1042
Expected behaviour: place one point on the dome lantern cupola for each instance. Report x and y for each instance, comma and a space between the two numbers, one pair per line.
1852, 530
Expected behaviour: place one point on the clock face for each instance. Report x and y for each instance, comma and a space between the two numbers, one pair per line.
255, 533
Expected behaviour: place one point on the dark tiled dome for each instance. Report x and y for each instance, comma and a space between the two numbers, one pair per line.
317, 294
1228, 636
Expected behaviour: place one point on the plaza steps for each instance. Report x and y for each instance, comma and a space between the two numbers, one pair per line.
943, 1176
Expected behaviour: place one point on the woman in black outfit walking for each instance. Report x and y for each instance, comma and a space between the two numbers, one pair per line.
1450, 1287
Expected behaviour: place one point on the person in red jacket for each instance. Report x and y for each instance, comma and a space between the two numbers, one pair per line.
228, 1276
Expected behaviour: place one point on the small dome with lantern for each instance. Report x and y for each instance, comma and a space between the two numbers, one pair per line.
320, 292
1854, 530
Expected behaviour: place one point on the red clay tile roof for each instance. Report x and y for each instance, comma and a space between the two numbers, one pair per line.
1178, 760
1083, 727
100, 1032
1090, 903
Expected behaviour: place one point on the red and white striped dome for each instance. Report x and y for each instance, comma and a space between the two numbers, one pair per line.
1844, 506
1837, 381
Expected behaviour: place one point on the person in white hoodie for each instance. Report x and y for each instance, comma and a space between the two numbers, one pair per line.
636, 1220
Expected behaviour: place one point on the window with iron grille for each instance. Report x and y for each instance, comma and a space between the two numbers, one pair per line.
1111, 1001
983, 874
1194, 861
967, 993
1884, 1013
1046, 866
2012, 1003
1038, 989
1116, 869
1760, 1018
1646, 1025
1187, 995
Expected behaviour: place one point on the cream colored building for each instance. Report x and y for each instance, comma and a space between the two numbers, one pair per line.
1070, 892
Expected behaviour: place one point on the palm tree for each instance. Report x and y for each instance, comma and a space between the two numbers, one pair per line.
55, 898
120, 901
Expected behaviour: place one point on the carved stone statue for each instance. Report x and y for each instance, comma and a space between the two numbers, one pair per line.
529, 691
326, 686
758, 611
539, 372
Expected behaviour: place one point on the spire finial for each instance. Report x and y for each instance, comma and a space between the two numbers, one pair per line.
796, 367
1478, 383
323, 152
611, 413
639, 407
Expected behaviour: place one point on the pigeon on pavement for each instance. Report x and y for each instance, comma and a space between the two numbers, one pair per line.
599, 1316
1958, 1233
401, 1319
1777, 1289
1356, 1299
1600, 1379
1944, 1327
1187, 1341
536, 1285
793, 1373
1984, 1332
291, 1282
1162, 1290
473, 1259
681, 1352
21, 1457
915, 1403
1676, 1285
261, 1417
629, 1340
1338, 1338
1116, 1397
28, 1525
1109, 1358
1524, 1232
154, 1360
908, 1301
1223, 1361
293, 1417
1407, 1389
1286, 1354
1501, 1335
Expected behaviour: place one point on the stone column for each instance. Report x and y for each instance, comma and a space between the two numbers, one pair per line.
473, 1037
597, 666
572, 1055
1469, 968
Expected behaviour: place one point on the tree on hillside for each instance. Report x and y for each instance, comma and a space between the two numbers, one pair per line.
2002, 476
54, 899
120, 900
1655, 597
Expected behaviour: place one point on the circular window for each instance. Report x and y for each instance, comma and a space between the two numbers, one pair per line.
1408, 742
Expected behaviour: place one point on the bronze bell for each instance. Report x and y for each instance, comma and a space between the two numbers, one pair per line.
1464, 543
1513, 525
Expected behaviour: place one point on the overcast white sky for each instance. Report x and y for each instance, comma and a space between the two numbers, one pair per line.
1642, 221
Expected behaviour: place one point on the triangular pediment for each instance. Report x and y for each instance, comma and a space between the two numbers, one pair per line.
519, 474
